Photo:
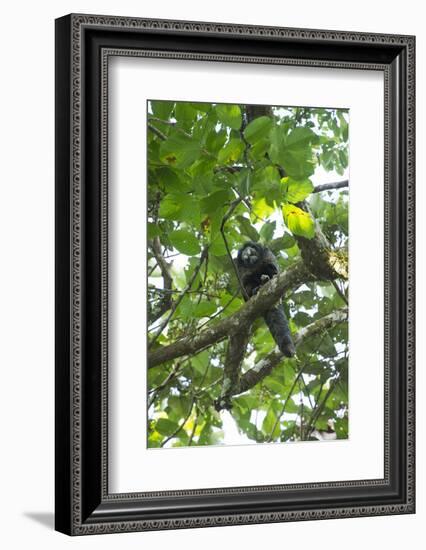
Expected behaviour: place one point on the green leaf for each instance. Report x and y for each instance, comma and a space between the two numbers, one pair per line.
229, 115
203, 107
179, 150
204, 309
343, 157
170, 180
185, 114
185, 308
258, 150
185, 242
261, 208
169, 206
282, 243
214, 201
200, 361
162, 109
296, 191
215, 140
164, 426
269, 423
153, 230
231, 152
274, 385
344, 127
258, 129
180, 207
244, 178
178, 406
267, 231
294, 151
327, 160
217, 246
298, 221
265, 178
247, 229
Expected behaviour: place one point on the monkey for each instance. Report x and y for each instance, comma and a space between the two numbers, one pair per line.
257, 265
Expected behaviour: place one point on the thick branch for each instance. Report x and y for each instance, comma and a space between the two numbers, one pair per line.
318, 254
268, 363
237, 346
268, 295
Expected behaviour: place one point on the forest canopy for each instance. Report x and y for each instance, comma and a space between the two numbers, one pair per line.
220, 175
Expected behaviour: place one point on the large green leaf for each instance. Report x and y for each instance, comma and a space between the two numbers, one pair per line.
247, 229
293, 151
267, 231
258, 129
164, 426
162, 109
179, 150
231, 152
296, 191
180, 207
229, 115
214, 201
298, 221
185, 242
204, 309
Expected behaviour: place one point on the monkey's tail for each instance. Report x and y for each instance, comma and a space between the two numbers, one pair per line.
277, 323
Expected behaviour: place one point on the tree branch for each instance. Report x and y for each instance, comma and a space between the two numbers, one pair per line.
181, 296
290, 393
225, 218
268, 363
166, 301
318, 254
237, 346
157, 132
329, 186
267, 296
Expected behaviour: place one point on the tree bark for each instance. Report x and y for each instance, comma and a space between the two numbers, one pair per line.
266, 365
267, 296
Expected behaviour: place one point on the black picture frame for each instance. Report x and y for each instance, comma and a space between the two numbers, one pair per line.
83, 504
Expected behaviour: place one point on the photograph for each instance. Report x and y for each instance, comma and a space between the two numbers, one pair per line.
247, 273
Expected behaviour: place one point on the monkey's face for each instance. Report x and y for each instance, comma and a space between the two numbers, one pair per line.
250, 254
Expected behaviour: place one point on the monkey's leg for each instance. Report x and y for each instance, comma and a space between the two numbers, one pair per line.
277, 323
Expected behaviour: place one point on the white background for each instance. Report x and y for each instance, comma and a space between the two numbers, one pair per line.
132, 80
26, 304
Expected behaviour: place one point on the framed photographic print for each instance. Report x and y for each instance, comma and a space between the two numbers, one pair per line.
234, 274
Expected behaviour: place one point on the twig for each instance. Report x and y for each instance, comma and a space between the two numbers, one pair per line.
225, 218
219, 311
181, 425
329, 186
178, 301
157, 132
319, 410
163, 384
339, 292
277, 420
191, 437
180, 130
